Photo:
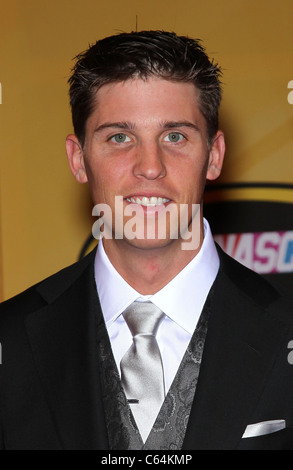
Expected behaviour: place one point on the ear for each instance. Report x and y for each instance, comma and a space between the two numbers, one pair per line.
216, 156
75, 158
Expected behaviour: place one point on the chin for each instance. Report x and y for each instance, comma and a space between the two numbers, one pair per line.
149, 244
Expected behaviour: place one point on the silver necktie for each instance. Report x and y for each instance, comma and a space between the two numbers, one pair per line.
141, 367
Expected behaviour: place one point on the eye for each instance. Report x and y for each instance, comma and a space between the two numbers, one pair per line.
174, 137
120, 138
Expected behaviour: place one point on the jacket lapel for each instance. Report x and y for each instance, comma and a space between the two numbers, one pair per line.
242, 343
63, 338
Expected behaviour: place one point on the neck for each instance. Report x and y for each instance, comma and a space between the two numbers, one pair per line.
149, 269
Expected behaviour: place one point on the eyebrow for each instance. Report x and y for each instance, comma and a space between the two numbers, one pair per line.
116, 125
131, 126
173, 124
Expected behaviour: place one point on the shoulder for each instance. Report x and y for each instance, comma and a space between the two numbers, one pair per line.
45, 291
266, 294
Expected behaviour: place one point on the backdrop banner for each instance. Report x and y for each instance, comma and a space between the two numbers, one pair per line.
258, 233
45, 215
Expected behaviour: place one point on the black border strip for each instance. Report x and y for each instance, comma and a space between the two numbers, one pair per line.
215, 187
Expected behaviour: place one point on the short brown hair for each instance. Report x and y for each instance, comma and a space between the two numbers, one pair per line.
141, 55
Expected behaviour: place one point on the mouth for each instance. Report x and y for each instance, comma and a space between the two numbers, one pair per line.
145, 201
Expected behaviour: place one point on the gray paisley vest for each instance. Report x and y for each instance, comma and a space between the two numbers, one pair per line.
170, 426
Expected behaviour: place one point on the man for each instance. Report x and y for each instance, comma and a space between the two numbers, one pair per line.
79, 371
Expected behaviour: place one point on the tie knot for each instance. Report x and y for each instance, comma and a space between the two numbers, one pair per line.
143, 318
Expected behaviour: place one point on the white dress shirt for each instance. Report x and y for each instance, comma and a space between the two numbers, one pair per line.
182, 300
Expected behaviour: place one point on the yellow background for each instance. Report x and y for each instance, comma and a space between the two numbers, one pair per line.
45, 215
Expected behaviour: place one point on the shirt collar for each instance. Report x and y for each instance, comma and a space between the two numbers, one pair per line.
182, 299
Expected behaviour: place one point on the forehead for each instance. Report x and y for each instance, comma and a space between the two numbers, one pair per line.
150, 99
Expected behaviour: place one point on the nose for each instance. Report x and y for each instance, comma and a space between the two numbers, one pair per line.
149, 162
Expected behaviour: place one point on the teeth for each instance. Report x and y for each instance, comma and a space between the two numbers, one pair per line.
148, 201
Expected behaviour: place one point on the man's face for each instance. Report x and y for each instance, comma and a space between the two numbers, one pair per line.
146, 141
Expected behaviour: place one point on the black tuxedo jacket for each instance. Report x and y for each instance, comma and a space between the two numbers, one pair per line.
50, 392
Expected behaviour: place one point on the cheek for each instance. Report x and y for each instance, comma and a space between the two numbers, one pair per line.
96, 172
95, 181
192, 180
191, 172
104, 182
